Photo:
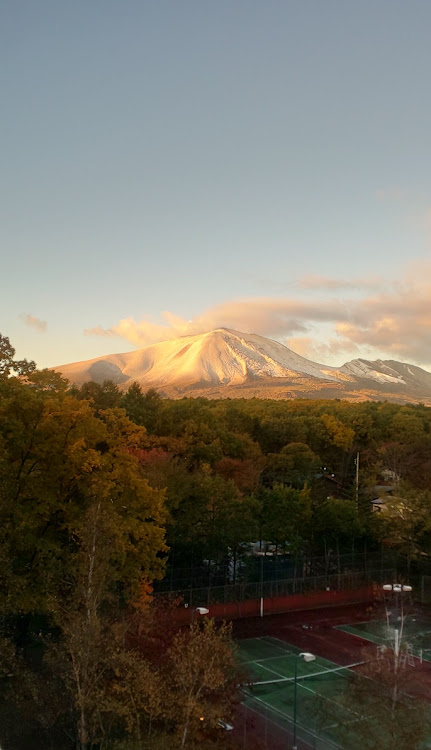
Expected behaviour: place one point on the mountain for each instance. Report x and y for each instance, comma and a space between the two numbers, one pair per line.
226, 363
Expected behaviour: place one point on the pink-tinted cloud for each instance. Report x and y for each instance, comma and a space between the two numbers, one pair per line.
394, 323
33, 322
266, 316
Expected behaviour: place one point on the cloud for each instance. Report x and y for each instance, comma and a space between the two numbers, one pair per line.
394, 323
266, 316
98, 331
392, 194
33, 322
314, 281
323, 351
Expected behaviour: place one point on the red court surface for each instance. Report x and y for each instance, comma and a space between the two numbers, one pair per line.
313, 630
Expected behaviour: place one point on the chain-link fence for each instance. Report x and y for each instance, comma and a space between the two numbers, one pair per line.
272, 567
278, 589
421, 585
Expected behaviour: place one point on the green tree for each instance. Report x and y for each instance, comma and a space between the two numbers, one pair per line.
134, 402
336, 525
8, 365
405, 522
296, 465
104, 395
285, 517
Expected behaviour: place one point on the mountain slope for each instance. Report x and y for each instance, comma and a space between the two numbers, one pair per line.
225, 363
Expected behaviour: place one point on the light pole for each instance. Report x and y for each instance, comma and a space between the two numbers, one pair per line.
261, 555
307, 657
397, 589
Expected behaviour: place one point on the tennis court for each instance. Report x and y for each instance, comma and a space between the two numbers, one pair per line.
321, 716
415, 633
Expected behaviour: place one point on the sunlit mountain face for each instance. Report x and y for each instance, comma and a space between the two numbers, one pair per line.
226, 363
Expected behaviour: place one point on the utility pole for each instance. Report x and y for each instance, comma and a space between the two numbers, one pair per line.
357, 481
261, 582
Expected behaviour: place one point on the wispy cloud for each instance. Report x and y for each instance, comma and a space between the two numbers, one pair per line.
392, 194
395, 322
314, 281
33, 322
324, 351
98, 331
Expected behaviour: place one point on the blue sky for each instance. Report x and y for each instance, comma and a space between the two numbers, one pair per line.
173, 166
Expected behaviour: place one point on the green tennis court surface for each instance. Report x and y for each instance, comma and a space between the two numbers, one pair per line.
326, 719
415, 632
270, 664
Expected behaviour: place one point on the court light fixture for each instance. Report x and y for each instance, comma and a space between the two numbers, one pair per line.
398, 588
199, 611
307, 656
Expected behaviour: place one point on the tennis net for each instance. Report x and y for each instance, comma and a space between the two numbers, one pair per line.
314, 681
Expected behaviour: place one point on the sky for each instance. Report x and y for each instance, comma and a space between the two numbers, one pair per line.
173, 166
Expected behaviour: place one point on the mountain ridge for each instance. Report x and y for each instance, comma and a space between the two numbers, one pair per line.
224, 362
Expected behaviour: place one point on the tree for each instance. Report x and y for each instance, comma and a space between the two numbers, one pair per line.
378, 710
336, 523
202, 679
285, 517
244, 473
405, 522
92, 657
296, 465
81, 531
103, 396
133, 401
7, 363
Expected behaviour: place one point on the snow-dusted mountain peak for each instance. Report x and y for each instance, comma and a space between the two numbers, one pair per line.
219, 362
218, 357
378, 370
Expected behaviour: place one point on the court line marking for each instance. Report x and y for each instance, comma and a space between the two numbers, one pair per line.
320, 659
283, 676
285, 715
267, 658
310, 675
277, 640
266, 639
328, 741
269, 640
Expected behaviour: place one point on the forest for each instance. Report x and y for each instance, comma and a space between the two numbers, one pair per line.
102, 490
